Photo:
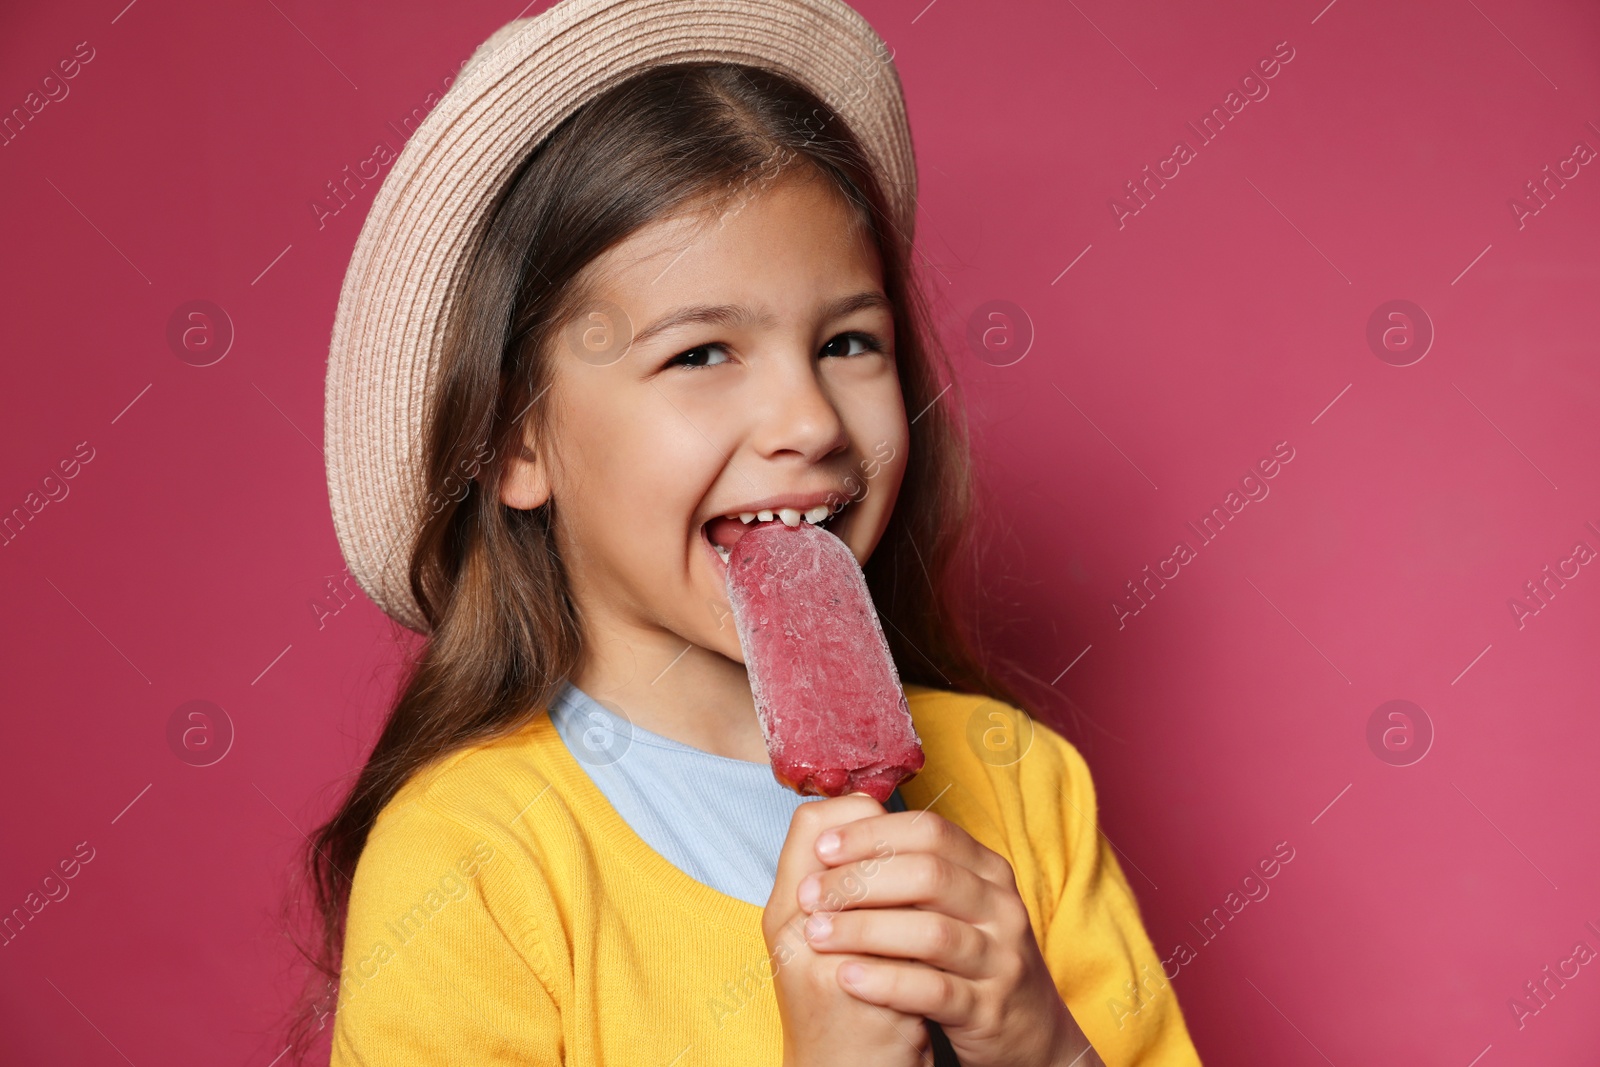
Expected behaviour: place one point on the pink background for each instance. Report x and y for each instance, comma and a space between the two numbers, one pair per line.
1229, 314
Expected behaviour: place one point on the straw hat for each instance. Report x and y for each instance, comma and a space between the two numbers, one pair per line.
434, 203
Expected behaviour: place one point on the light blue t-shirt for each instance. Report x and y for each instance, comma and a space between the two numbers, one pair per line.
722, 821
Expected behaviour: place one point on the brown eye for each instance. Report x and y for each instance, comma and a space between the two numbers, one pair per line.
693, 358
872, 344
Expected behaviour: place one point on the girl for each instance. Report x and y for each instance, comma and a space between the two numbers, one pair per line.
693, 311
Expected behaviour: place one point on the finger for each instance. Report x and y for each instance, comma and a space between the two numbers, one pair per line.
904, 933
912, 831
911, 879
912, 988
798, 857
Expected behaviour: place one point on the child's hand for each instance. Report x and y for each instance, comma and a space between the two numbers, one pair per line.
823, 1024
945, 936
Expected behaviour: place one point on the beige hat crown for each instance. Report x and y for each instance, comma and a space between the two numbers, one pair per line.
434, 203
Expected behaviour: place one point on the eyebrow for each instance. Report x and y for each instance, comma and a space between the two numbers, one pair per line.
731, 316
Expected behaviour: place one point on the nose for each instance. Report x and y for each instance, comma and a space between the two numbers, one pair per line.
795, 414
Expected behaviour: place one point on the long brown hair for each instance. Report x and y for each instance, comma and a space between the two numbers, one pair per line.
504, 630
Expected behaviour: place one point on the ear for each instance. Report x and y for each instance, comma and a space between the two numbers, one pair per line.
525, 483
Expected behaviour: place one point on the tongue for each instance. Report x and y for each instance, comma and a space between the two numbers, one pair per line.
726, 532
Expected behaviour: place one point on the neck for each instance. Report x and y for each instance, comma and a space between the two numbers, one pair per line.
671, 687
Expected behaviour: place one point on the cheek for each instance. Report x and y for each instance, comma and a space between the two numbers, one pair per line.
673, 452
868, 398
634, 473
878, 425
874, 414
634, 445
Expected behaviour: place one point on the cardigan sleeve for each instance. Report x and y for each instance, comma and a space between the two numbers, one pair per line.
440, 962
1095, 943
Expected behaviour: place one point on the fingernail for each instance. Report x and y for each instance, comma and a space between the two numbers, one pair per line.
828, 845
851, 973
818, 927
810, 888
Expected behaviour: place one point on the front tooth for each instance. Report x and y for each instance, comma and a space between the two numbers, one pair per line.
747, 517
790, 516
817, 514
764, 516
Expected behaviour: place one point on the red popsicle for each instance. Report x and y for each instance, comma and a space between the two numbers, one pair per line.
826, 689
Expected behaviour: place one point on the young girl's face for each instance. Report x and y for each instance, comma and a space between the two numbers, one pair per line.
761, 374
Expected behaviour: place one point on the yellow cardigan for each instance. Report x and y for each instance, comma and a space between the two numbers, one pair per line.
502, 912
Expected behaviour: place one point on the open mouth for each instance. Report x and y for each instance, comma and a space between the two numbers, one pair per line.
723, 532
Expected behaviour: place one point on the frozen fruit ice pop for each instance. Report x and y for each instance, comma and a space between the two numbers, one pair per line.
826, 689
